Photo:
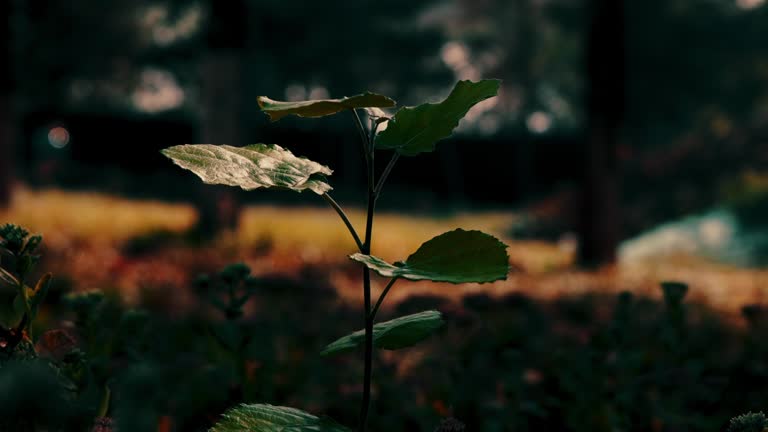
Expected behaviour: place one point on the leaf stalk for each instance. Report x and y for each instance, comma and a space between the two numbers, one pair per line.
346, 220
381, 297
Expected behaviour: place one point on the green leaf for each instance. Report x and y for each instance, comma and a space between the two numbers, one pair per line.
391, 335
32, 244
269, 418
12, 237
251, 167
322, 107
415, 130
457, 257
11, 309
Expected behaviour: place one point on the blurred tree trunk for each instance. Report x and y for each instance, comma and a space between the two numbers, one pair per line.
599, 224
6, 153
6, 107
221, 116
522, 63
220, 123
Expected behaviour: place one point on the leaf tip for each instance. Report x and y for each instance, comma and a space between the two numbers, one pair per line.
171, 151
265, 105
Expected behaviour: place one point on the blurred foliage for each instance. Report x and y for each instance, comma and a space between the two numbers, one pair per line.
513, 365
695, 113
586, 363
682, 76
747, 194
685, 77
175, 36
750, 422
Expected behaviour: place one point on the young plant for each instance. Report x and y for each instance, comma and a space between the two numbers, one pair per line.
457, 256
42, 380
228, 291
17, 253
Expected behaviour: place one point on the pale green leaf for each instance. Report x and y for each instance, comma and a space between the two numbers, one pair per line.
457, 257
322, 107
415, 130
398, 333
251, 167
269, 418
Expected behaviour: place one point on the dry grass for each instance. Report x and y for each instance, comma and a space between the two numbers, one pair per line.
84, 233
93, 216
395, 235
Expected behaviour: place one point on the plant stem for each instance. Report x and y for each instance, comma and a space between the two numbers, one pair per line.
381, 297
372, 134
367, 144
386, 172
104, 405
368, 372
368, 359
344, 218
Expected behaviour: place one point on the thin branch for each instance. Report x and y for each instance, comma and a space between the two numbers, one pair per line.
344, 218
381, 297
386, 172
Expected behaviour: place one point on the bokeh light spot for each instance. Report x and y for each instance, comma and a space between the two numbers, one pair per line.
539, 122
58, 137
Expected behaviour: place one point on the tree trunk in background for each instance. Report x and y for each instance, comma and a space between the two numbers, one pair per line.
6, 137
522, 63
6, 107
220, 123
599, 224
221, 116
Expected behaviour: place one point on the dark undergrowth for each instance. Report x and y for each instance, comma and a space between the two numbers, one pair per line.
586, 363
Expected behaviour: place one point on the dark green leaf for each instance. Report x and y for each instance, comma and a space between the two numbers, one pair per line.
395, 334
415, 130
32, 244
269, 418
457, 257
251, 167
322, 107
11, 309
12, 237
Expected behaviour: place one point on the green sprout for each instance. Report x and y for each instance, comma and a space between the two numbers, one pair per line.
458, 256
18, 253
